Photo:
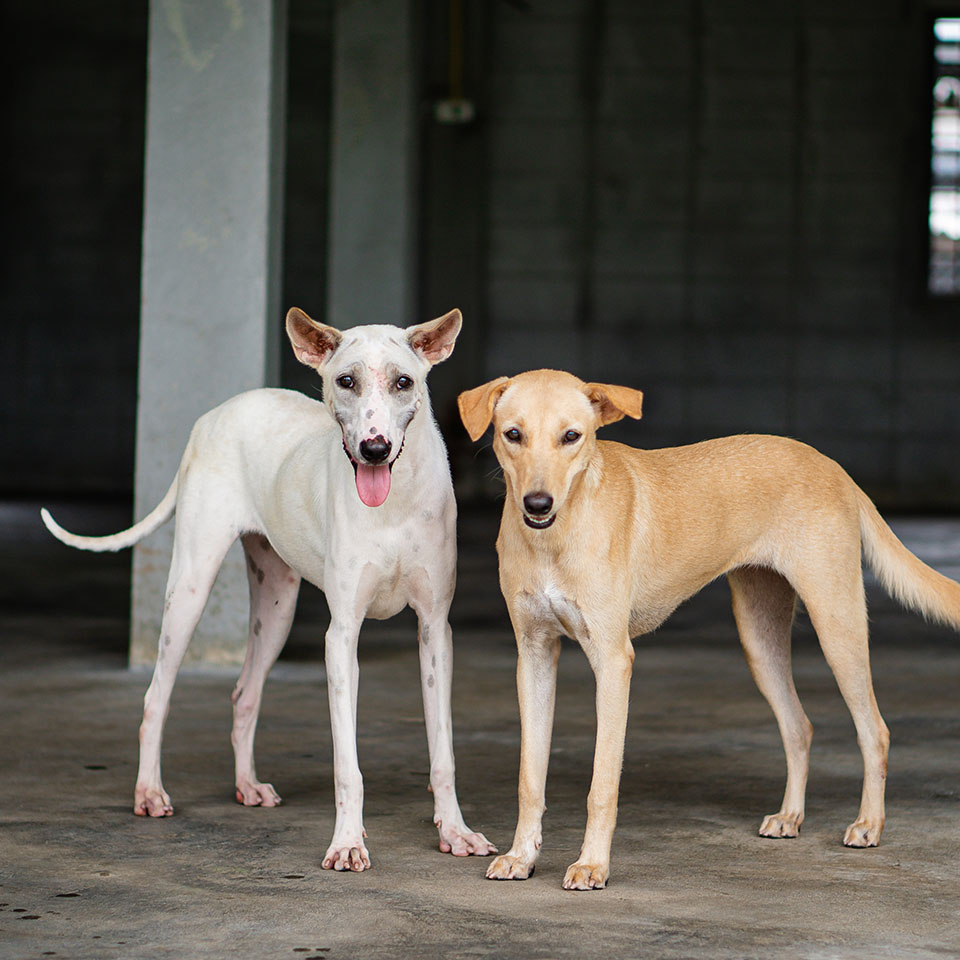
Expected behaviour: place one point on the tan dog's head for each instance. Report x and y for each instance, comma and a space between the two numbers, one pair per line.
544, 432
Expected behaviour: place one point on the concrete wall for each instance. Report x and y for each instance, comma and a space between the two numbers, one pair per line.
307, 182
373, 165
73, 108
722, 203
210, 309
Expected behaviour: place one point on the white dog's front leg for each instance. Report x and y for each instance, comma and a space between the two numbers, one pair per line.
436, 678
347, 850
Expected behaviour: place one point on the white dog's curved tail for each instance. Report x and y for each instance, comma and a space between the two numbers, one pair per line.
905, 577
125, 538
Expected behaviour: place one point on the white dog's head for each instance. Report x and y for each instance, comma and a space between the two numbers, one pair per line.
374, 382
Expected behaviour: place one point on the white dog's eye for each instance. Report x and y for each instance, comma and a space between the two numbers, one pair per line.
346, 382
513, 435
404, 383
571, 436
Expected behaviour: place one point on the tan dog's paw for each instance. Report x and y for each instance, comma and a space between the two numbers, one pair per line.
151, 802
586, 876
252, 793
510, 867
781, 825
342, 858
863, 833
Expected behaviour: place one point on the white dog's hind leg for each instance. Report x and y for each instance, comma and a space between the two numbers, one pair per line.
197, 555
347, 851
436, 677
273, 600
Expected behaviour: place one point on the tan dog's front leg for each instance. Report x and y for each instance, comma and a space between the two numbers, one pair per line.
613, 669
536, 689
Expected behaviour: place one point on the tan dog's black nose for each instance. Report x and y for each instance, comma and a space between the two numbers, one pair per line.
538, 504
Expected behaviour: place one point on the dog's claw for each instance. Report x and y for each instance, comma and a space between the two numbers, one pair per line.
255, 794
862, 833
152, 802
471, 844
463, 842
343, 858
586, 876
510, 867
781, 825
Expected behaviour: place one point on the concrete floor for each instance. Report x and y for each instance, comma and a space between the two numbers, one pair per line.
83, 878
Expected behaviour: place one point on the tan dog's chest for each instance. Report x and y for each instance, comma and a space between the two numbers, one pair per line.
548, 608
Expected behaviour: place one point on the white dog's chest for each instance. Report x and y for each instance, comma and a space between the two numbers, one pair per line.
380, 572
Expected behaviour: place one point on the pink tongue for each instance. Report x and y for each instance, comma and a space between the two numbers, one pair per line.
373, 483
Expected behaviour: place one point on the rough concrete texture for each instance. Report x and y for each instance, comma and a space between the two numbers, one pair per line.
83, 878
210, 292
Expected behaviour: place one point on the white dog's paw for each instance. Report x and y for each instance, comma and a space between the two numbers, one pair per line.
780, 825
252, 793
509, 866
350, 856
151, 802
586, 876
462, 842
863, 833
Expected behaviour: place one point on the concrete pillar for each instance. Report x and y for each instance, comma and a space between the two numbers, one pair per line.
210, 311
372, 264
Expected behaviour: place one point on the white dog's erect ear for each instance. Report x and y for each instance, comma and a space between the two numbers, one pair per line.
614, 403
434, 339
476, 405
312, 342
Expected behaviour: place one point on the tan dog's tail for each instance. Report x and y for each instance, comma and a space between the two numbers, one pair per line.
905, 577
125, 538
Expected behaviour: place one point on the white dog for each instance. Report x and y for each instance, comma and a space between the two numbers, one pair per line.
376, 531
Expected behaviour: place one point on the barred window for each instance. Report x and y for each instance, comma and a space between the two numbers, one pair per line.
944, 260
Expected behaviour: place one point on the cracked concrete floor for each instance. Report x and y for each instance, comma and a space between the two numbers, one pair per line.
83, 878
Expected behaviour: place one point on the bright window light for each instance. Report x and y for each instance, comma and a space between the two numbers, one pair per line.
943, 278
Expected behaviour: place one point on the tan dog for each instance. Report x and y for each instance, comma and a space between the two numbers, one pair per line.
600, 542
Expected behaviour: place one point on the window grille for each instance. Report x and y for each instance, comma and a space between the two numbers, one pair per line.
944, 259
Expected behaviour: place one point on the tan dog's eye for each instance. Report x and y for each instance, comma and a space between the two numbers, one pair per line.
571, 436
513, 435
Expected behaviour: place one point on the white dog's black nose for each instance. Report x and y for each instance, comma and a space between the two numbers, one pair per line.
376, 450
538, 504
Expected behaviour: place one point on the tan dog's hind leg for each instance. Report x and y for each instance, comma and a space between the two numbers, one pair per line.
613, 668
839, 615
763, 605
537, 690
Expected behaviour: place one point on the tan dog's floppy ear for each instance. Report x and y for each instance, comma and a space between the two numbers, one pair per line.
434, 339
476, 406
613, 403
312, 342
